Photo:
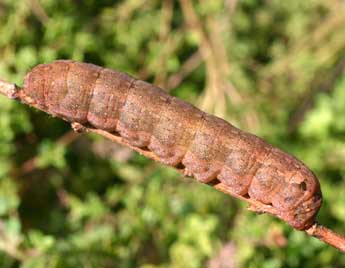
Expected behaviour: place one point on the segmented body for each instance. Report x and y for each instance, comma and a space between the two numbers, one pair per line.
178, 133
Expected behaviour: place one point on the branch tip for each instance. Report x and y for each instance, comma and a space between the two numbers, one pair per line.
10, 90
328, 236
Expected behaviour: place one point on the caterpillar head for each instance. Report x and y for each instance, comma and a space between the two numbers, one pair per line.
298, 197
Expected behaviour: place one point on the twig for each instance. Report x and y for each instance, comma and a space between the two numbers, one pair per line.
320, 232
11, 245
231, 6
328, 236
187, 67
13, 92
320, 84
164, 36
38, 10
254, 205
31, 164
214, 53
8, 89
311, 42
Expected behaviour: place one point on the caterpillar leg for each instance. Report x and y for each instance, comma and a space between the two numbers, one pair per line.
168, 154
77, 127
262, 208
254, 205
202, 171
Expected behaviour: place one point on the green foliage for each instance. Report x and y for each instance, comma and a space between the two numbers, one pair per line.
275, 68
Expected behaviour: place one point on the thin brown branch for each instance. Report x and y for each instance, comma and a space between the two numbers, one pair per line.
230, 6
330, 25
31, 164
12, 91
254, 205
320, 84
219, 89
164, 36
328, 236
193, 62
8, 89
12, 246
320, 232
38, 10
215, 78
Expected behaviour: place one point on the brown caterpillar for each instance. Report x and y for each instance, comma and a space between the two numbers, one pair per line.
177, 133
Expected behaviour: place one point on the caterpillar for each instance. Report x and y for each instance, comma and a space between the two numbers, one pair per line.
177, 134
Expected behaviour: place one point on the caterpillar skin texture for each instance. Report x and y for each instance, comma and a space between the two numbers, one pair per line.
178, 133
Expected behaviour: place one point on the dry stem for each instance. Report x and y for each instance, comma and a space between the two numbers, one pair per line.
8, 89
328, 236
320, 232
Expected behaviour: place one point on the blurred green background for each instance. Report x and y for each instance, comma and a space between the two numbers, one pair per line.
274, 68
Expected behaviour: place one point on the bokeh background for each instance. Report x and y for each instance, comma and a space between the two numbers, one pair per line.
274, 68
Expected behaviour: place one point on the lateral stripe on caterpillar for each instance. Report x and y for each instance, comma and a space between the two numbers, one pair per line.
177, 133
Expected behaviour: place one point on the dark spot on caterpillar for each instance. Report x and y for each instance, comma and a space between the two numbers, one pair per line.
214, 182
288, 199
145, 149
303, 186
246, 196
180, 166
115, 133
